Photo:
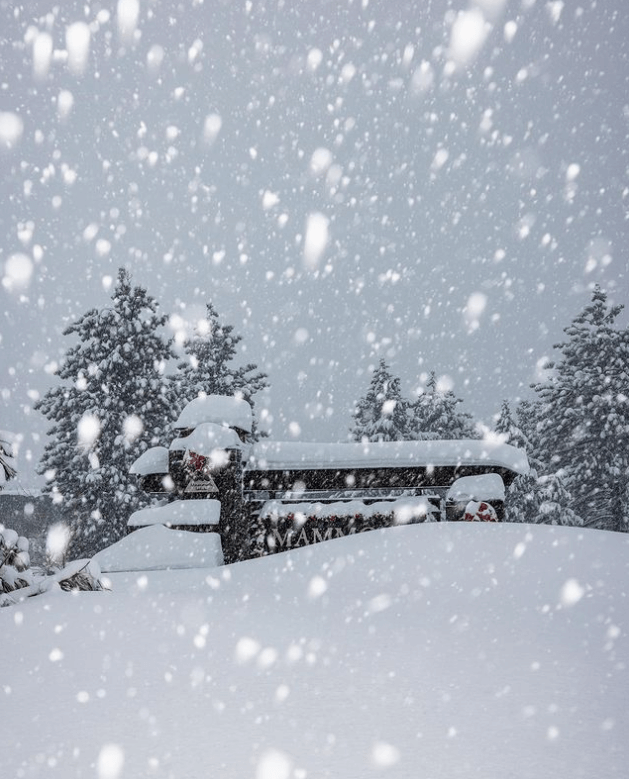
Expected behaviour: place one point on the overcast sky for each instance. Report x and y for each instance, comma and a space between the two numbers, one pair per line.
437, 183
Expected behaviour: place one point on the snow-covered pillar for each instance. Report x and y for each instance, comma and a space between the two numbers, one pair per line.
232, 525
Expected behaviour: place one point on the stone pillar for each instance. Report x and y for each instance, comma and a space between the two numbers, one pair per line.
232, 526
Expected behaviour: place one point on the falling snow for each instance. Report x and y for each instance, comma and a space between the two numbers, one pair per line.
286, 164
439, 185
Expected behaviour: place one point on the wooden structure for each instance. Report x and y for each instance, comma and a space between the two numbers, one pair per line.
278, 495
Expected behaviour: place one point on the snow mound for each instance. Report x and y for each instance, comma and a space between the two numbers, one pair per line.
220, 409
180, 512
158, 548
464, 650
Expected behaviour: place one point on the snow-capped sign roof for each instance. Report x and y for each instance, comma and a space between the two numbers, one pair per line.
154, 460
190, 513
220, 409
292, 455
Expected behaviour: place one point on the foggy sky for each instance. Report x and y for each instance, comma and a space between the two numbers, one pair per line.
470, 204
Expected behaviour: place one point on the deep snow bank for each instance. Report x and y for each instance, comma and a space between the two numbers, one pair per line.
433, 651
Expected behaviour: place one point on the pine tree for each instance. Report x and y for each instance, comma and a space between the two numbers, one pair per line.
7, 470
111, 407
209, 370
434, 415
531, 498
584, 428
523, 497
554, 506
528, 414
508, 429
381, 414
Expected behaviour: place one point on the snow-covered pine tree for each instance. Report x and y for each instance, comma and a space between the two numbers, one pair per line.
111, 406
554, 506
508, 430
381, 414
584, 427
527, 418
209, 370
521, 503
531, 498
523, 497
434, 415
7, 469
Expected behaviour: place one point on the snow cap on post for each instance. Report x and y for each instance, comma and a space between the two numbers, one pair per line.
207, 438
154, 460
219, 409
485, 486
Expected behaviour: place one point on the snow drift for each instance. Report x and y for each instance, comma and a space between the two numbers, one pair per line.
435, 651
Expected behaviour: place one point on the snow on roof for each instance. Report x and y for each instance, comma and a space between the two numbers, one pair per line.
180, 512
486, 486
158, 548
292, 455
405, 509
220, 409
154, 460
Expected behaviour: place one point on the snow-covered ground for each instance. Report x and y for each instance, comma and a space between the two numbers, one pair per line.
431, 651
